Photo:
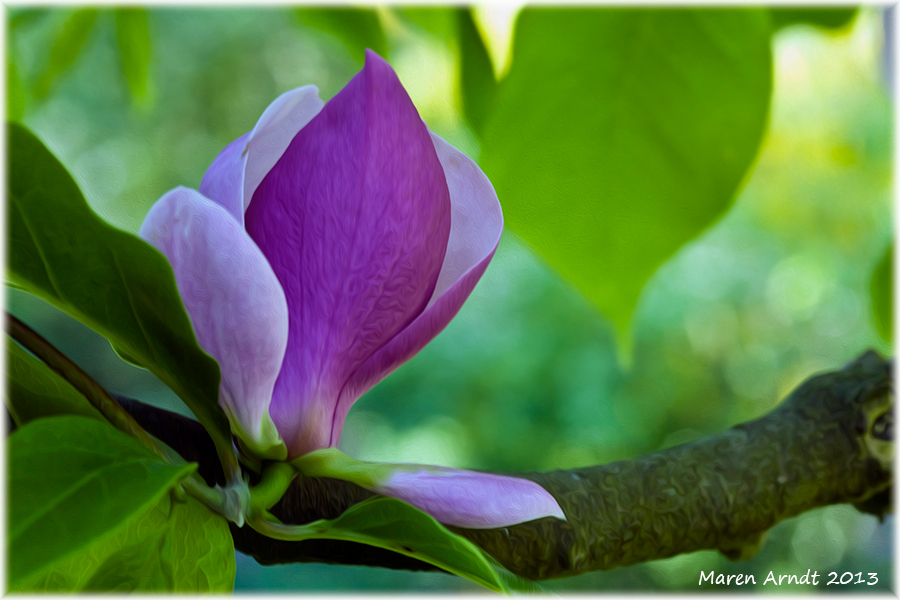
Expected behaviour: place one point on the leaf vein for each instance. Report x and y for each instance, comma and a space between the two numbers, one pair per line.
38, 246
137, 319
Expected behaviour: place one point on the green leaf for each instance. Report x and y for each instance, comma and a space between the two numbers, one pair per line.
394, 525
356, 28
133, 37
620, 134
125, 356
477, 82
67, 45
176, 546
882, 290
823, 17
74, 481
110, 280
36, 391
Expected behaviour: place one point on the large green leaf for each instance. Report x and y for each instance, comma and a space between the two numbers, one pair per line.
110, 280
35, 390
824, 17
74, 481
476, 73
356, 28
394, 525
133, 37
882, 290
67, 45
176, 546
620, 134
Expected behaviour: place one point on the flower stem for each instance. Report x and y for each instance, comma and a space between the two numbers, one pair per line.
276, 479
85, 384
228, 501
268, 525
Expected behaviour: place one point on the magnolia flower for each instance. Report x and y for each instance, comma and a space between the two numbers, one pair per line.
324, 249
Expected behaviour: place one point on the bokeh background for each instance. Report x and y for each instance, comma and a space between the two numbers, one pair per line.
528, 376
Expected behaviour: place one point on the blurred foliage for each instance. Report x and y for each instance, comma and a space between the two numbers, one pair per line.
356, 28
15, 95
883, 295
527, 376
477, 83
825, 17
133, 37
69, 39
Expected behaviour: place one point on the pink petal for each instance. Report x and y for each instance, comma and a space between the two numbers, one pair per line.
235, 303
238, 170
471, 499
354, 219
476, 226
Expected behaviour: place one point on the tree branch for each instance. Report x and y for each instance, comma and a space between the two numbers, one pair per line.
829, 442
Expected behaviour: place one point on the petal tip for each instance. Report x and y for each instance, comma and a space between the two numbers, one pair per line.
471, 499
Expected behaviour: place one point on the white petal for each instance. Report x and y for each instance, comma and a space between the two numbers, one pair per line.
275, 130
476, 222
236, 305
471, 499
238, 170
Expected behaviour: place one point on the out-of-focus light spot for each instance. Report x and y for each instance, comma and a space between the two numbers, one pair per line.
819, 540
709, 272
427, 70
62, 123
751, 374
711, 329
497, 21
440, 441
859, 527
844, 155
103, 174
790, 63
796, 287
281, 52
683, 571
840, 313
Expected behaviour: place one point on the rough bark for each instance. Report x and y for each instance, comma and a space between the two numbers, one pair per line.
829, 442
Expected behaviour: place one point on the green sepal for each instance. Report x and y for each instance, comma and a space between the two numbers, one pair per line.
268, 446
332, 463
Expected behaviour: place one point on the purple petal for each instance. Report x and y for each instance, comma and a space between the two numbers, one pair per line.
354, 219
477, 224
471, 499
235, 174
236, 306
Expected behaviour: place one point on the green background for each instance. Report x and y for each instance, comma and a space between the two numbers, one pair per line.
528, 376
